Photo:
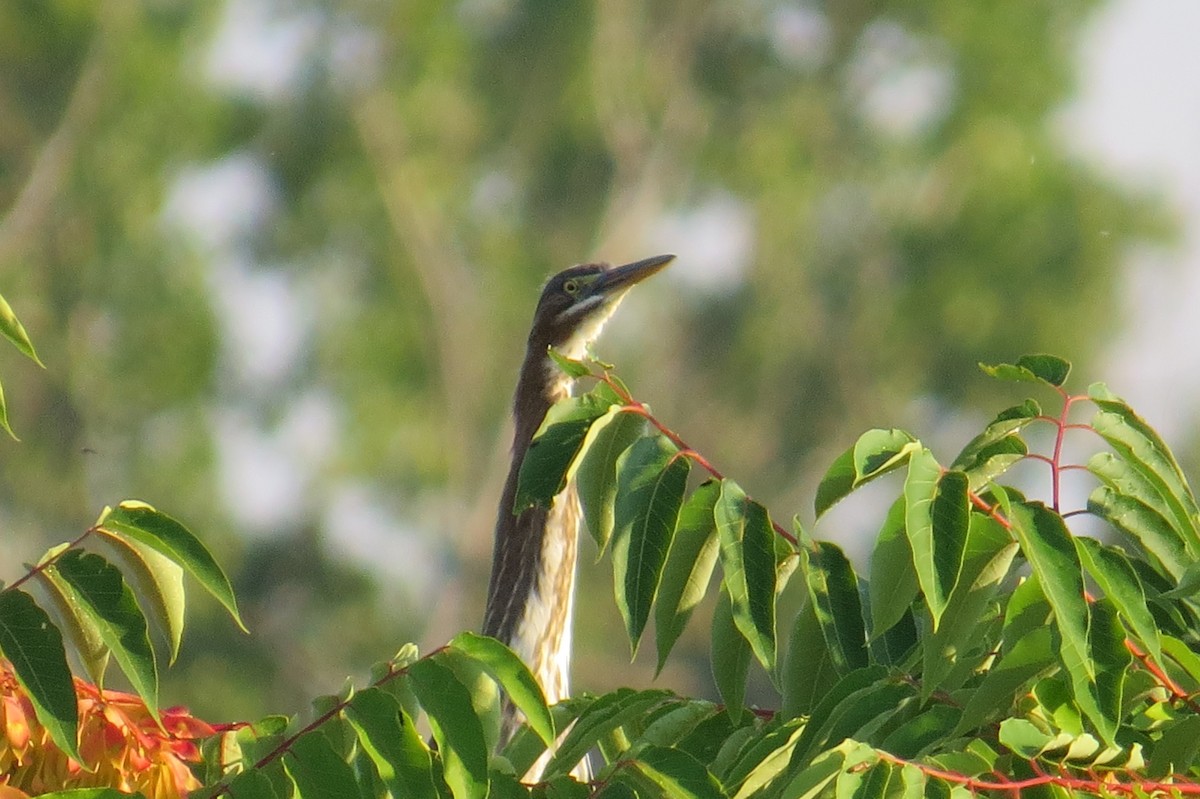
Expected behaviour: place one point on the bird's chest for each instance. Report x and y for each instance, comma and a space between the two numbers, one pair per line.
543, 635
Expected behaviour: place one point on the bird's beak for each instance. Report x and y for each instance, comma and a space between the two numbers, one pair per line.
619, 278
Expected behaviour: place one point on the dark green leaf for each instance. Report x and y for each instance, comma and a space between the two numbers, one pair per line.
555, 447
596, 477
924, 730
836, 484
936, 520
252, 784
513, 676
992, 460
1048, 547
690, 563
1028, 657
809, 670
318, 770
1006, 423
1116, 577
140, 522
602, 717
730, 657
104, 596
1031, 369
456, 728
833, 591
893, 585
34, 647
391, 741
1176, 751
155, 579
651, 480
678, 722
959, 644
763, 757
676, 774
748, 562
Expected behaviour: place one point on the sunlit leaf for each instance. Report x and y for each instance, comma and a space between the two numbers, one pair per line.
1138, 444
4, 416
77, 627
1147, 528
1116, 577
748, 563
651, 478
763, 758
391, 741
142, 523
456, 728
548, 460
513, 676
103, 594
596, 477
569, 366
12, 329
690, 563
156, 580
34, 646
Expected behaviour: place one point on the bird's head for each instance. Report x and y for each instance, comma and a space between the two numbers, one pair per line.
577, 302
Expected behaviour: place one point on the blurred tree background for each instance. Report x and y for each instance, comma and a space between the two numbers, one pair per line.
279, 257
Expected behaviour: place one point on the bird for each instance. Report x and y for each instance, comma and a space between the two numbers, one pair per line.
531, 591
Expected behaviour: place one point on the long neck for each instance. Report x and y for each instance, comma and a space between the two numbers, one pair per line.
520, 569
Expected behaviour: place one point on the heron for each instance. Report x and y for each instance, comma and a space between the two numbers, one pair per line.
531, 593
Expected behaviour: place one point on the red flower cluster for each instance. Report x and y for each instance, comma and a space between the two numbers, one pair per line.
121, 745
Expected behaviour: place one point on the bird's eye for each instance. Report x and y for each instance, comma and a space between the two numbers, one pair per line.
571, 287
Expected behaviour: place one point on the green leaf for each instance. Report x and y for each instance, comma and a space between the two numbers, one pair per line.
14, 331
833, 591
651, 481
679, 722
86, 793
4, 416
545, 469
513, 676
34, 647
689, 566
809, 670
1048, 369
252, 784
1116, 577
936, 520
596, 477
730, 656
1048, 547
893, 583
1140, 446
876, 453
456, 728
104, 596
763, 758
154, 578
76, 626
1176, 750
1146, 528
390, 739
676, 774
142, 523
928, 728
318, 770
976, 454
748, 562
959, 643
569, 366
608, 713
